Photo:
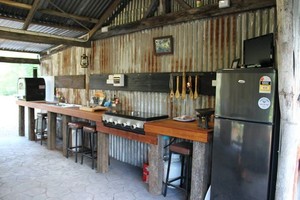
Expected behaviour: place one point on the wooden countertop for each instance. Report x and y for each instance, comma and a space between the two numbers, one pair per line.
184, 130
168, 127
70, 111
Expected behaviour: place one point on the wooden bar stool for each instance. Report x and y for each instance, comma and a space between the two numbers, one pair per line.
78, 127
91, 132
41, 127
184, 149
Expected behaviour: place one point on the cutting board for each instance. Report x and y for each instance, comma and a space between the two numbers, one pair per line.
92, 109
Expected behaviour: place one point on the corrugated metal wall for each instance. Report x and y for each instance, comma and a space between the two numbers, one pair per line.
199, 46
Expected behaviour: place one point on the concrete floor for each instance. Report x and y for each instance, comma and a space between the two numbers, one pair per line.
30, 171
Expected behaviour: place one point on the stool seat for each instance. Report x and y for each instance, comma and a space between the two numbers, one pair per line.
184, 148
76, 125
89, 129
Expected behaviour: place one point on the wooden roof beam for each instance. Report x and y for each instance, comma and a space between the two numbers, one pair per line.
67, 15
31, 13
183, 4
19, 60
49, 12
151, 9
16, 4
42, 38
108, 12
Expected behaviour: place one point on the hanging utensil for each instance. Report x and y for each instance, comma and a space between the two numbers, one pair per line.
196, 87
177, 94
171, 86
183, 92
190, 87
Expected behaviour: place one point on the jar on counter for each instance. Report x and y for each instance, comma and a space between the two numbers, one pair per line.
198, 3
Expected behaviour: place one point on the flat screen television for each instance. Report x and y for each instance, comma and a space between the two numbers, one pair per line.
259, 51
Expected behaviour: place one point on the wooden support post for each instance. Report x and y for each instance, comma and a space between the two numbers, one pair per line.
102, 152
201, 169
31, 133
21, 121
51, 127
156, 167
65, 129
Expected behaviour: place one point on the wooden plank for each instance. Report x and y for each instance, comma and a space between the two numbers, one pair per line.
65, 129
156, 82
185, 16
71, 81
108, 11
28, 36
21, 121
151, 9
126, 134
31, 124
184, 130
51, 131
19, 60
67, 15
31, 13
183, 4
16, 4
102, 152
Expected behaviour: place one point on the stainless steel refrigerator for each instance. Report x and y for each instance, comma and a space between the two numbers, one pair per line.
245, 142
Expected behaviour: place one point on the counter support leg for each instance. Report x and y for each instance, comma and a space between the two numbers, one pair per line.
31, 123
156, 167
102, 152
201, 166
51, 127
21, 121
65, 129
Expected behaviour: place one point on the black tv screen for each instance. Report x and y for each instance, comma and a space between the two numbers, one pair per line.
259, 51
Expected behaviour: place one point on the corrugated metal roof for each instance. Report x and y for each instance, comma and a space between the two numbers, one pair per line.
14, 16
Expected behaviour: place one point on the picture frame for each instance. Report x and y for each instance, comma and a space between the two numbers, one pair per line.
235, 63
163, 45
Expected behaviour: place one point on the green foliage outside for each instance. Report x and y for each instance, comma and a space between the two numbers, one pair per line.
9, 74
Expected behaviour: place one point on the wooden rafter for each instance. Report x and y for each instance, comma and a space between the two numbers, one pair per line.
183, 4
67, 15
42, 38
151, 9
43, 24
118, 10
49, 12
19, 60
184, 16
108, 12
31, 13
16, 4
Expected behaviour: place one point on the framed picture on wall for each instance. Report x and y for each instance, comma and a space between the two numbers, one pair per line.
163, 45
235, 63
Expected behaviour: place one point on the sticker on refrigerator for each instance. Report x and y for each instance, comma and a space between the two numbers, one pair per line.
264, 103
265, 85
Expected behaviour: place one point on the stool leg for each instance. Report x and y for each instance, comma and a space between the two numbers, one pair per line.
82, 142
187, 176
168, 172
68, 142
92, 148
76, 144
182, 170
